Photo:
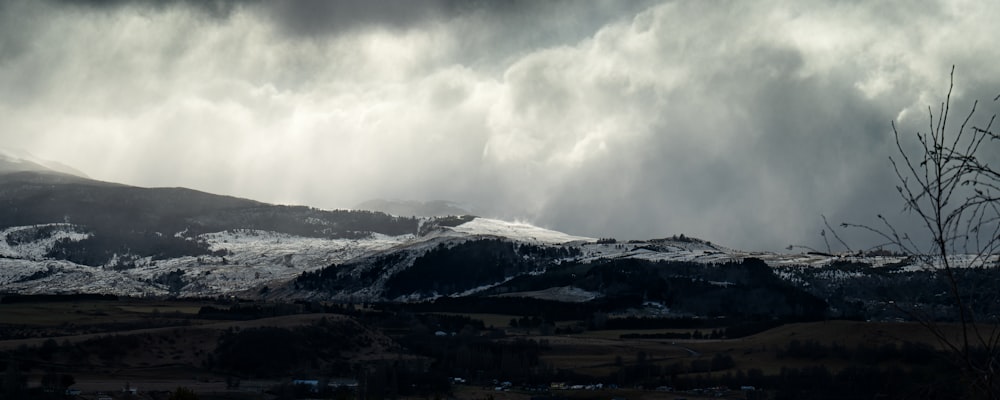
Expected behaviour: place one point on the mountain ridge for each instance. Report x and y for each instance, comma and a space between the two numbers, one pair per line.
62, 233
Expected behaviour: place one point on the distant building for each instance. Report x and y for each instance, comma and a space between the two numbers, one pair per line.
313, 384
347, 383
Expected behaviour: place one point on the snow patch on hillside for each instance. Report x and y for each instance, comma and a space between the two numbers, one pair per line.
252, 259
517, 231
660, 251
255, 258
36, 248
244, 260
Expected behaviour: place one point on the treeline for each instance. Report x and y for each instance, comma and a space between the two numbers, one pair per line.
907, 371
339, 277
469, 350
647, 372
256, 310
442, 270
546, 310
747, 289
39, 232
272, 351
10, 298
820, 382
907, 352
632, 322
448, 221
446, 270
121, 249
306, 221
860, 291
128, 240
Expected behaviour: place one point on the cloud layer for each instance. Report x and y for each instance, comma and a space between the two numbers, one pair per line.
739, 122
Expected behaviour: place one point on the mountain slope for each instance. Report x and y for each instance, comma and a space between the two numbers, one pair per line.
63, 233
66, 233
133, 222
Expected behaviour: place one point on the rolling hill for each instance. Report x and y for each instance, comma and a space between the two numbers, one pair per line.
65, 233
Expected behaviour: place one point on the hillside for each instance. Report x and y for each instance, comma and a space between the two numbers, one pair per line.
63, 233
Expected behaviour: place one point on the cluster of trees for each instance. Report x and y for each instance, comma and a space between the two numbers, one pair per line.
339, 277
173, 280
449, 221
546, 310
697, 335
820, 382
125, 246
446, 270
647, 372
889, 371
274, 351
39, 232
11, 298
681, 238
305, 221
742, 289
475, 357
857, 290
249, 311
907, 353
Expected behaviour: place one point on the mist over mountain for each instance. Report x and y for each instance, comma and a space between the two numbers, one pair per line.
433, 208
62, 233
14, 160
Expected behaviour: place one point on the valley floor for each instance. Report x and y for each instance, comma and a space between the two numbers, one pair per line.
102, 346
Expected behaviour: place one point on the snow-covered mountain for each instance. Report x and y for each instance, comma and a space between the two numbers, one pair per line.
237, 261
244, 260
62, 233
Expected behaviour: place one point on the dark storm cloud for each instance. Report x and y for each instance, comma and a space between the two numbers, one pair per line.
738, 122
790, 148
319, 17
325, 17
214, 8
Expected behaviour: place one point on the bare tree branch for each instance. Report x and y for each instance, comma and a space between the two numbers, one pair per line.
952, 191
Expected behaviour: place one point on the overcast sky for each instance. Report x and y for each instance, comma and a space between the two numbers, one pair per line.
739, 122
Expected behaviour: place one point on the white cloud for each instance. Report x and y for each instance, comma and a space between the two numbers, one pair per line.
740, 122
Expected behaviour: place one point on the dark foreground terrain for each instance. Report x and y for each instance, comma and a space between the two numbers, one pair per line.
92, 347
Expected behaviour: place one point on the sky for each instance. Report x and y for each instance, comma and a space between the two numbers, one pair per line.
735, 121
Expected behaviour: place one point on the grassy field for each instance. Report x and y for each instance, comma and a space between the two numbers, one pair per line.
88, 312
489, 320
173, 351
502, 321
190, 309
598, 356
617, 333
595, 353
